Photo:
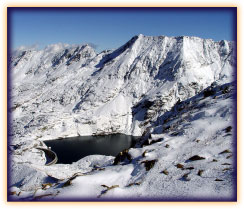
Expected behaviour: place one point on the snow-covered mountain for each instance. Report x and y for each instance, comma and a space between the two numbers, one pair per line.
177, 93
64, 90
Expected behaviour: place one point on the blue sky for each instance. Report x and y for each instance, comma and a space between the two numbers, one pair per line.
110, 28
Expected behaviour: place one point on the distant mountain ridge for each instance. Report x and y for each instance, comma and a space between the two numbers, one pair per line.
64, 90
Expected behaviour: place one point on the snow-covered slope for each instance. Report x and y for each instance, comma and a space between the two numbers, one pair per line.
191, 156
177, 93
66, 90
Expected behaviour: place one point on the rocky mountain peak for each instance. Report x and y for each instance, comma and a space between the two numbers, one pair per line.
75, 91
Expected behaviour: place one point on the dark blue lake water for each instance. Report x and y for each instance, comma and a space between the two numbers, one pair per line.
73, 149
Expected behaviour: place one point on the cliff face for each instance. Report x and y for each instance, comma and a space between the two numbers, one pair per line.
67, 90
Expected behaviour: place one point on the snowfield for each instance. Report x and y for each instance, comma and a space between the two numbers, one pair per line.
177, 93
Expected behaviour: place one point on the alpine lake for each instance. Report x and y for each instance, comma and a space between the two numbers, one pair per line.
72, 149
